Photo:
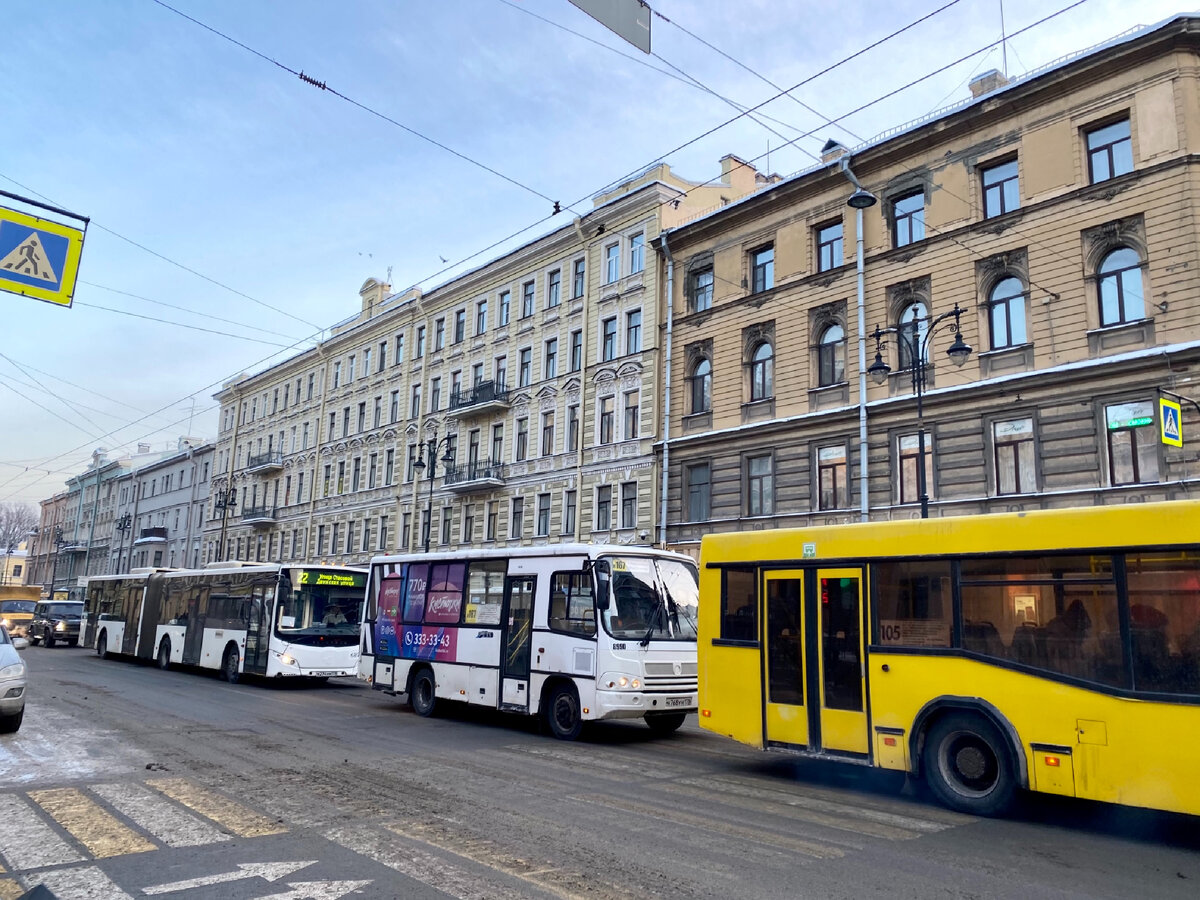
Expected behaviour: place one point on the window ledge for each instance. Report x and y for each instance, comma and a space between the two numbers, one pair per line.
697, 421
1017, 358
758, 409
828, 396
1118, 338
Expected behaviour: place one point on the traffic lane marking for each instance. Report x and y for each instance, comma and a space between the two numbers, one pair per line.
94, 827
267, 871
159, 816
230, 815
26, 841
86, 883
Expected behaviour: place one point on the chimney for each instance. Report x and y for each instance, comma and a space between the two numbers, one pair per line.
832, 151
143, 448
986, 82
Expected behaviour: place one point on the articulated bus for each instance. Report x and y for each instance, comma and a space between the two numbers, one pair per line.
570, 632
1056, 651
271, 620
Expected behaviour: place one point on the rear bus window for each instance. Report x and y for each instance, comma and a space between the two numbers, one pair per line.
913, 604
739, 606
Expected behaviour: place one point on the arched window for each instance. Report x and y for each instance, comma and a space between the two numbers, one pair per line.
1121, 297
913, 324
1006, 313
762, 372
702, 387
831, 356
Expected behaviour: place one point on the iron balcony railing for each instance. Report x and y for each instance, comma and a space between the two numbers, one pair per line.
272, 459
485, 393
480, 470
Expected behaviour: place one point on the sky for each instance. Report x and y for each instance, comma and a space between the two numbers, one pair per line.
236, 210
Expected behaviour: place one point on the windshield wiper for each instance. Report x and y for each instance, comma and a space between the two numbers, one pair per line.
654, 620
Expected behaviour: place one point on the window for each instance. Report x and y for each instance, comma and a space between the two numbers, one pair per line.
1001, 190
612, 263
633, 331
435, 394
550, 359
701, 294
603, 507
468, 523
516, 527
481, 316
701, 387
914, 603
577, 273
489, 522
699, 491
760, 485
439, 334
908, 219
345, 421
632, 416
831, 356
608, 345
460, 326
547, 433
569, 507
913, 324
1132, 443
762, 372
383, 345
366, 362
356, 476
501, 372
554, 289
447, 524
1110, 151
410, 466
525, 367
406, 530
572, 428
910, 451
1013, 441
1163, 598
378, 418
1121, 296
497, 442
739, 606
393, 408
522, 445
362, 416
577, 350
505, 307
543, 515
831, 478
637, 253
572, 608
605, 430
415, 402
476, 375
527, 300
420, 351
337, 376
629, 504
1006, 314
341, 477
829, 246
398, 356
389, 465
762, 269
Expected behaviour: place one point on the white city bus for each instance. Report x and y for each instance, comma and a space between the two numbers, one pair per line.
271, 620
571, 632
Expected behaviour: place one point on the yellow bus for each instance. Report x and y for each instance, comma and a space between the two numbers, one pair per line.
1055, 651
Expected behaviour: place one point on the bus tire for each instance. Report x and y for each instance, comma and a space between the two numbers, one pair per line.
102, 645
164, 653
665, 723
968, 765
562, 715
229, 664
422, 696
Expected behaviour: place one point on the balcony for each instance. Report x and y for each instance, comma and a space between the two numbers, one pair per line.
485, 397
151, 536
258, 515
480, 475
270, 461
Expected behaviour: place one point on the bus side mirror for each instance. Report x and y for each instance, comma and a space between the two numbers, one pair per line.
602, 601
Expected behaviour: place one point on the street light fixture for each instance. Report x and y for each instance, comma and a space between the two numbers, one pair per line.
419, 466
58, 544
225, 501
123, 525
918, 346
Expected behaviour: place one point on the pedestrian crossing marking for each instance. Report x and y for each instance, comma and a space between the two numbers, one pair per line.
157, 815
27, 841
9, 889
225, 812
29, 259
87, 883
98, 830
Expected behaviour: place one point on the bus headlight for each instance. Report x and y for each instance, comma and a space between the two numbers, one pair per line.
621, 682
287, 659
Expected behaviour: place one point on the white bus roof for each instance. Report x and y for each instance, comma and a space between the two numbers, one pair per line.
570, 549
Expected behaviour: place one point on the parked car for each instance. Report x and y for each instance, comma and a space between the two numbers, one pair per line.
12, 682
56, 620
15, 615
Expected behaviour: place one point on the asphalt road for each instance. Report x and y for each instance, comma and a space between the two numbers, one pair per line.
129, 782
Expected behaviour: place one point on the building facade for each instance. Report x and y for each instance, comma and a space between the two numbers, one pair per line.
1047, 225
515, 404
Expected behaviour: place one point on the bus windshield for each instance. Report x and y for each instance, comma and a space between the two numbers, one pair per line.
320, 607
16, 606
650, 599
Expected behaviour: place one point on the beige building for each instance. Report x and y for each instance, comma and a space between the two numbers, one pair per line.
526, 388
1055, 212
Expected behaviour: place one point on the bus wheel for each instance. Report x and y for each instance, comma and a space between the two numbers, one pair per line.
102, 645
164, 654
968, 765
665, 723
229, 665
422, 696
562, 712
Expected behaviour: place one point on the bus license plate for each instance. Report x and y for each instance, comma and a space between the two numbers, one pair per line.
678, 701
323, 674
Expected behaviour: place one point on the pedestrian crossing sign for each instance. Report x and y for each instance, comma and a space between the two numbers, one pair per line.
38, 257
1171, 422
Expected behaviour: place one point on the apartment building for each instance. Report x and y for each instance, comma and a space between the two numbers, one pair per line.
515, 404
1035, 247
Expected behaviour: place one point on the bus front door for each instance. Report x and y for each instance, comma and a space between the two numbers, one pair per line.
517, 635
814, 660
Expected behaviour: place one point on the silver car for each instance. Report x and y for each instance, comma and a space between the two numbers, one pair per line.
12, 682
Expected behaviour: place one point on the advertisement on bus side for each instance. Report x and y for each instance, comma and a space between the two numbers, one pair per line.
429, 642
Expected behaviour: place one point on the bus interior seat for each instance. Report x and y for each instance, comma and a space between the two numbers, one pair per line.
983, 637
1025, 643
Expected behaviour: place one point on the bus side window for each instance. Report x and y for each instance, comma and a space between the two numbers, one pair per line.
571, 606
739, 606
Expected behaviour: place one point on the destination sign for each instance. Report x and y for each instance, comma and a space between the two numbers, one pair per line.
333, 579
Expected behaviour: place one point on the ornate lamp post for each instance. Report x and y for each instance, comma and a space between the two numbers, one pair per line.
917, 345
123, 525
58, 543
226, 500
447, 460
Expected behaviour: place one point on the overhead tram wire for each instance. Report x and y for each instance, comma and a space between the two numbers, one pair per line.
67, 403
228, 334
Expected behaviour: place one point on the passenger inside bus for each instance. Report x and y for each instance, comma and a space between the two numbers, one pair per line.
333, 616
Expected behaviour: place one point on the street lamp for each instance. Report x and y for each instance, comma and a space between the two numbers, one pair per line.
123, 525
58, 543
225, 501
419, 465
918, 345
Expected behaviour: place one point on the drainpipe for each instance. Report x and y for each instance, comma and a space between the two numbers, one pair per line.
666, 455
864, 502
